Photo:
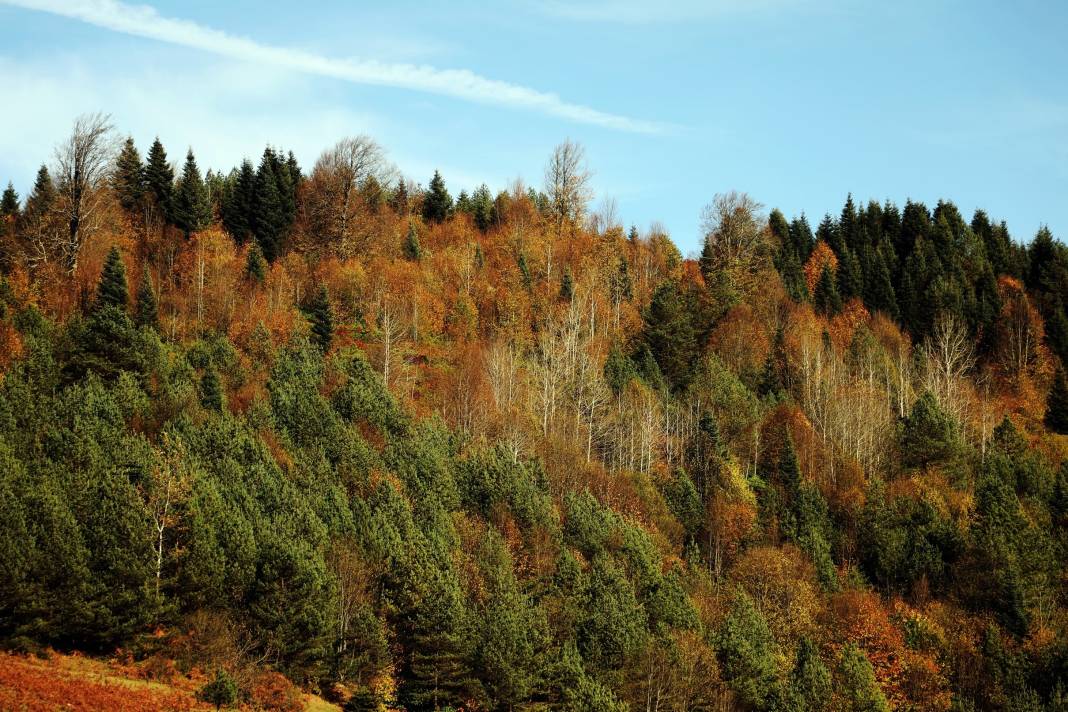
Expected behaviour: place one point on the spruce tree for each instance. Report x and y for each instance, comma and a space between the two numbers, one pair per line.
321, 315
747, 654
437, 203
239, 203
669, 334
221, 691
567, 286
192, 208
857, 685
39, 206
825, 297
270, 219
147, 314
1057, 404
129, 178
159, 180
412, 251
524, 271
930, 435
112, 291
255, 265
810, 679
9, 203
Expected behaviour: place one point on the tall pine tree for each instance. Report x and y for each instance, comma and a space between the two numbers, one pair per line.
112, 290
129, 178
436, 203
159, 181
192, 208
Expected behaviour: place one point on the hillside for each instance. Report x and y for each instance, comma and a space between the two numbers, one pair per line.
496, 451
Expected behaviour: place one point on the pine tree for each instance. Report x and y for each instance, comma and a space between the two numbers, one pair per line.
482, 207
9, 203
524, 271
881, 296
857, 683
39, 210
221, 691
159, 180
321, 315
810, 679
930, 435
129, 177
211, 392
412, 251
192, 208
112, 291
147, 315
436, 203
747, 654
825, 297
255, 265
850, 279
1057, 404
669, 334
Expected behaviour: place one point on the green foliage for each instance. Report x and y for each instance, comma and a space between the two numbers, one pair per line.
929, 435
747, 652
111, 290
669, 334
129, 177
412, 251
147, 314
192, 207
437, 203
255, 265
1057, 405
825, 297
9, 202
856, 682
221, 691
810, 681
567, 286
211, 393
684, 502
321, 315
159, 181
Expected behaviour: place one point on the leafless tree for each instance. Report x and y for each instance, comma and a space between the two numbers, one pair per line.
567, 180
736, 234
83, 163
949, 355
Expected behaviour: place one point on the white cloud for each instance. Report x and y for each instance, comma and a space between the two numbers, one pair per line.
667, 11
144, 21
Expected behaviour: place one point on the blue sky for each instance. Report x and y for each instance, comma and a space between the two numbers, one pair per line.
794, 102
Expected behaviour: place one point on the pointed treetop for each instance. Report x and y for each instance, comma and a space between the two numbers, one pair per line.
9, 204
112, 292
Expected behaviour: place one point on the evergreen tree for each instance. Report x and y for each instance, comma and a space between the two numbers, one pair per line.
880, 288
9, 203
239, 203
321, 315
211, 392
567, 286
39, 210
482, 207
524, 271
129, 177
929, 436
850, 277
270, 221
857, 685
1057, 404
112, 290
669, 334
747, 654
810, 680
825, 297
412, 251
159, 180
147, 314
192, 208
437, 203
255, 265
221, 691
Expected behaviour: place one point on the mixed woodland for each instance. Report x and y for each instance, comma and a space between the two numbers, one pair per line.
495, 450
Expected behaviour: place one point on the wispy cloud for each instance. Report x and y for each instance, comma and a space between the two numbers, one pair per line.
145, 21
667, 11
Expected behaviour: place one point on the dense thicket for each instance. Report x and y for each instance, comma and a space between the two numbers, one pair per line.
500, 454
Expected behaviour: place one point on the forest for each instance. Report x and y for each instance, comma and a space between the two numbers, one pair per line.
496, 451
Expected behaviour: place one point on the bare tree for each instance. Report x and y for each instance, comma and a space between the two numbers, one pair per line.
567, 181
949, 355
83, 165
736, 239
334, 185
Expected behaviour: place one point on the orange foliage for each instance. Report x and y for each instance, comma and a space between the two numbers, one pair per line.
822, 256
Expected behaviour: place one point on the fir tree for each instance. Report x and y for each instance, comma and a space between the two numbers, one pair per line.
524, 271
112, 291
159, 180
436, 203
255, 265
129, 177
321, 315
1057, 404
192, 208
669, 334
147, 314
239, 203
221, 691
269, 225
38, 212
747, 654
482, 207
930, 435
9, 203
857, 682
810, 679
825, 297
412, 251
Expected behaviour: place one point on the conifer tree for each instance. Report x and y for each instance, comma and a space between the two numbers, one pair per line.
669, 334
482, 207
412, 251
129, 177
9, 203
159, 180
147, 314
1057, 404
112, 290
37, 215
930, 435
321, 315
269, 224
524, 271
239, 203
437, 203
255, 265
747, 654
211, 392
810, 679
825, 297
192, 208
567, 286
857, 685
